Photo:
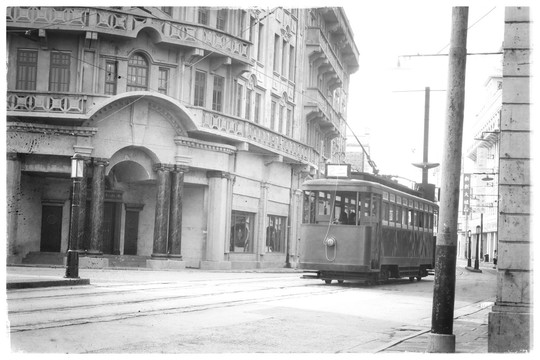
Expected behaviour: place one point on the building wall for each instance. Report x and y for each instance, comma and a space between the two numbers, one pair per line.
229, 160
510, 322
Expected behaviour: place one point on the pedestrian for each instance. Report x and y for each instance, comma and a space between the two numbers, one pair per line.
494, 259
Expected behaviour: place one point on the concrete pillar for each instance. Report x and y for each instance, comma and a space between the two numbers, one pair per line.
262, 212
82, 210
217, 232
510, 321
161, 221
97, 206
13, 188
175, 216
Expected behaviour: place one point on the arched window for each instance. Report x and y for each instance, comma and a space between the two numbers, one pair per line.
137, 78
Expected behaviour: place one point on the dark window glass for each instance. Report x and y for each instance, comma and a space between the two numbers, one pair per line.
59, 73
137, 73
26, 69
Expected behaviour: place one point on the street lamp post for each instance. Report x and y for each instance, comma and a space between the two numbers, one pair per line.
476, 261
469, 249
77, 169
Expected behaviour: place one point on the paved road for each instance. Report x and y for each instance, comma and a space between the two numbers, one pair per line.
225, 312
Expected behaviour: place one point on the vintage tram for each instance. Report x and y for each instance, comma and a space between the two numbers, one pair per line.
366, 228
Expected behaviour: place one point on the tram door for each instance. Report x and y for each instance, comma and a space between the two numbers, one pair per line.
370, 204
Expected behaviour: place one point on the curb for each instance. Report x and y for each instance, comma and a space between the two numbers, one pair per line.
45, 283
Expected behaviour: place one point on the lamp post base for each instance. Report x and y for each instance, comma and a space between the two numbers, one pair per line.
72, 266
441, 343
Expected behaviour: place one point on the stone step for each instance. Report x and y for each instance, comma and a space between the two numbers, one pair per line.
44, 258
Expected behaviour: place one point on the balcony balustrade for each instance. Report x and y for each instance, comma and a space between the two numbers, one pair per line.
120, 23
77, 106
331, 118
315, 37
244, 130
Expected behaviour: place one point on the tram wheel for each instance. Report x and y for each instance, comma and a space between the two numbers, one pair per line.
411, 278
384, 275
418, 278
328, 281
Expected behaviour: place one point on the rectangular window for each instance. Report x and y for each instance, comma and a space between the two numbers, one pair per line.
289, 122
59, 71
111, 75
276, 53
276, 234
163, 80
203, 16
308, 215
200, 88
284, 54
292, 65
260, 47
257, 108
249, 94
241, 239
273, 115
221, 19
217, 93
167, 10
26, 69
281, 118
239, 92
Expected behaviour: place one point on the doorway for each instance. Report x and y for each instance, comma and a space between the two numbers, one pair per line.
51, 228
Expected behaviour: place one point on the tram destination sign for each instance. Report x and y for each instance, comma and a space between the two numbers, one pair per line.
338, 171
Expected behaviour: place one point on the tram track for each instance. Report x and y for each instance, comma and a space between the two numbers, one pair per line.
94, 310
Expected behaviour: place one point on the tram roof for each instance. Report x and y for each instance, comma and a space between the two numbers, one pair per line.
333, 184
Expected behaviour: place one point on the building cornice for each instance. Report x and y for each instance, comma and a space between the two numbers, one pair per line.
51, 129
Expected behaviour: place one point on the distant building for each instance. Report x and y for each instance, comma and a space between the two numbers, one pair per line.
356, 156
197, 124
480, 183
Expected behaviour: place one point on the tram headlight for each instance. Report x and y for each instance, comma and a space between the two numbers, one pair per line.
329, 241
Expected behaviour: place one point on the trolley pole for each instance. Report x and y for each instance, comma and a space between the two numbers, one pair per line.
441, 338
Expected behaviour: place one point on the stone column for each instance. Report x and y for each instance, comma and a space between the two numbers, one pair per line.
510, 322
13, 188
161, 221
175, 215
217, 232
97, 206
262, 223
82, 210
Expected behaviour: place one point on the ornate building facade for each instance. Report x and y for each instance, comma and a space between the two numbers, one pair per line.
197, 126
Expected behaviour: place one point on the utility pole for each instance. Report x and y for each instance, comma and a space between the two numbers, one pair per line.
441, 338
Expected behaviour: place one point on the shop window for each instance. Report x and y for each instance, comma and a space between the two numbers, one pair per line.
276, 234
241, 239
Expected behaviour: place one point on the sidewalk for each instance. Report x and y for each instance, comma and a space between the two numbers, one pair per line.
470, 325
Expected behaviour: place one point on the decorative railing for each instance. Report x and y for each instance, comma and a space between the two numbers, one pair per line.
315, 36
57, 103
125, 24
313, 97
255, 134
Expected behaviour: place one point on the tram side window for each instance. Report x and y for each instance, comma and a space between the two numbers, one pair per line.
345, 208
420, 219
323, 203
398, 215
309, 207
385, 210
405, 220
366, 204
391, 212
411, 217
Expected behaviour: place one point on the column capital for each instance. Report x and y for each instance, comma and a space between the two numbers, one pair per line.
181, 168
163, 167
100, 161
219, 174
13, 156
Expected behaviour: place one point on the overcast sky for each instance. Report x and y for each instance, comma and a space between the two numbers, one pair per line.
387, 100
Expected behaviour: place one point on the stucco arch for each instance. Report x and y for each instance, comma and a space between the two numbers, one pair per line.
176, 113
134, 163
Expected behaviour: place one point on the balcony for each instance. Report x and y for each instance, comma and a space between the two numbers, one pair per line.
245, 131
319, 46
120, 23
61, 105
321, 110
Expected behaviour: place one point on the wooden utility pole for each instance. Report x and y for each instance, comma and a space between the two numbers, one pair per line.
441, 338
